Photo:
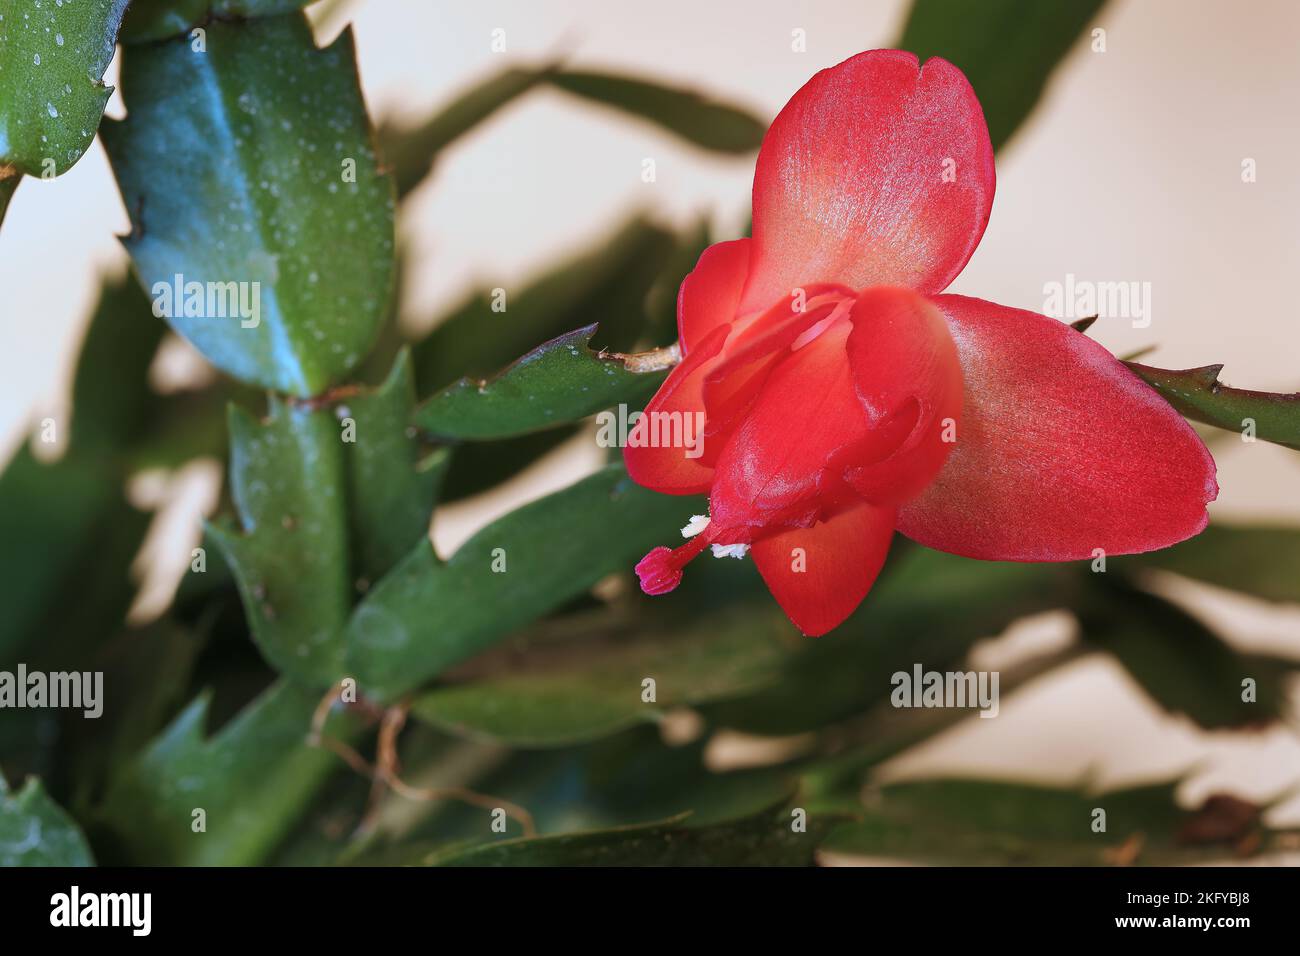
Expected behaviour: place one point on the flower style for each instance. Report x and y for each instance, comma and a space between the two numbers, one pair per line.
845, 397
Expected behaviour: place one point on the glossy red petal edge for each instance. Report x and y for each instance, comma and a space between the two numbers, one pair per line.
710, 294
879, 171
905, 366
1062, 453
819, 575
663, 448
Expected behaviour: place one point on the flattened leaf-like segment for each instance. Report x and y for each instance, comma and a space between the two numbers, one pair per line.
391, 487
1181, 662
291, 561
957, 821
412, 150
253, 779
1259, 560
160, 19
35, 831
606, 282
60, 519
558, 382
1198, 394
261, 224
52, 96
574, 692
427, 615
763, 838
330, 496
705, 122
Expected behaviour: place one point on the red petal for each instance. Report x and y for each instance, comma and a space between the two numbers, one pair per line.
840, 560
906, 372
710, 295
850, 185
1061, 449
770, 471
754, 349
675, 470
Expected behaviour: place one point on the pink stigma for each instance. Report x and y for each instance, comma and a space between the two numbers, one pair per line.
658, 572
661, 570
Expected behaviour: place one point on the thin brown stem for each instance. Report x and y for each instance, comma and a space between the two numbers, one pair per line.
384, 772
393, 721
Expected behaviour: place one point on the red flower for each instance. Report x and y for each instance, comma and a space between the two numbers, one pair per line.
843, 397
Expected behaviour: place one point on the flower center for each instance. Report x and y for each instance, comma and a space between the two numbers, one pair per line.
841, 311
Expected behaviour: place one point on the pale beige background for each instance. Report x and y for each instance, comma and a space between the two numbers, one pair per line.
1130, 170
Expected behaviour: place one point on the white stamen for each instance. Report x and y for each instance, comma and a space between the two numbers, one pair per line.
697, 524
730, 550
841, 309
808, 334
